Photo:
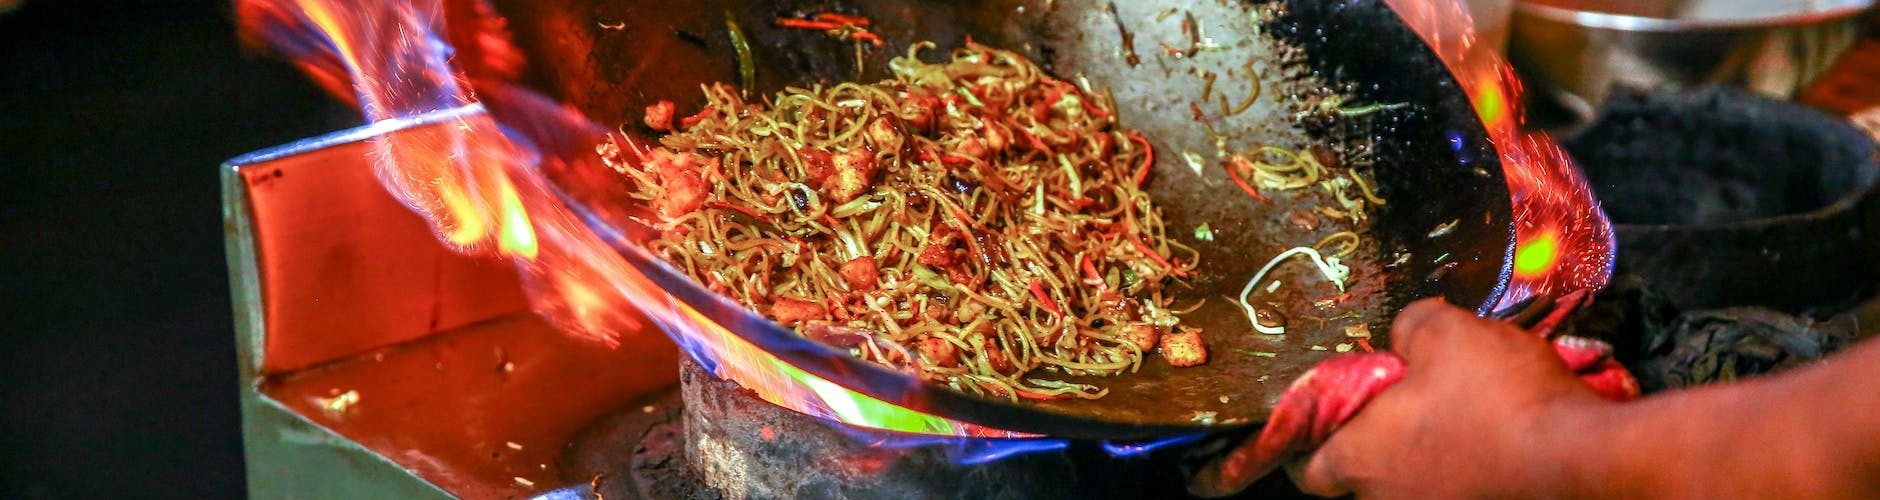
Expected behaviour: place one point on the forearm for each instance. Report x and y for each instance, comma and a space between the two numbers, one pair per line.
1811, 432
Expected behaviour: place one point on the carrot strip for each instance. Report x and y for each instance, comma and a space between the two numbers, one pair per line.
1036, 396
1142, 174
864, 36
1090, 273
1243, 183
1035, 142
1144, 248
1037, 291
837, 17
807, 24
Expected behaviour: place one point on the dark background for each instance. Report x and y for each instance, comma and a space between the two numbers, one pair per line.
117, 364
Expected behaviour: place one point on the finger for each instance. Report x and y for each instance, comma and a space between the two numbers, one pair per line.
1227, 474
1317, 474
1611, 381
1261, 452
1427, 328
1581, 353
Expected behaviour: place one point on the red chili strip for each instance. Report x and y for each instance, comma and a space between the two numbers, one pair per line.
1035, 143
1052, 98
1142, 174
1037, 291
1092, 108
1232, 174
1366, 345
837, 17
955, 160
864, 36
1090, 273
739, 208
806, 24
829, 221
689, 121
1144, 248
1036, 396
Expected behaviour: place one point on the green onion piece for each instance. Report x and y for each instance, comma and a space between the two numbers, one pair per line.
1370, 108
747, 68
1204, 233
931, 278
1262, 354
969, 96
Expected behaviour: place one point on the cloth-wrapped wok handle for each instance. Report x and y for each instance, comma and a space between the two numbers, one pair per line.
1328, 395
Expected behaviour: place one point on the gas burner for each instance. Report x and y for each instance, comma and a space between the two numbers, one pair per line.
714, 439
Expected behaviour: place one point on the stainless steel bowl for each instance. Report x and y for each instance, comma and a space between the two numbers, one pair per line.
1575, 51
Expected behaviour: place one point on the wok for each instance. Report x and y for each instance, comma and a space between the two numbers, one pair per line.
1430, 158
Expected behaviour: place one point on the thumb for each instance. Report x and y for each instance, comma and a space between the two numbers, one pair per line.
1318, 473
1431, 329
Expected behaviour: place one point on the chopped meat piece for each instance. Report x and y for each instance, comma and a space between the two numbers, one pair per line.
680, 175
970, 145
1144, 336
854, 172
1184, 349
884, 135
939, 351
935, 255
790, 311
919, 109
659, 115
938, 252
959, 275
817, 164
997, 139
937, 311
997, 359
861, 273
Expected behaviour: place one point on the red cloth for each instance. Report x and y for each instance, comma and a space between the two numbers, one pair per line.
1328, 395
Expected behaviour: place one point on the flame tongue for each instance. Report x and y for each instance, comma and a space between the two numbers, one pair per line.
1563, 241
481, 183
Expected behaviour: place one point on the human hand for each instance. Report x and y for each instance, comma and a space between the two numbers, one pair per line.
1484, 409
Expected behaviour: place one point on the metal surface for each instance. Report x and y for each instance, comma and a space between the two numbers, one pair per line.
1712, 187
375, 363
1575, 51
1433, 164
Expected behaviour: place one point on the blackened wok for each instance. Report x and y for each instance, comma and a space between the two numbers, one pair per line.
1444, 232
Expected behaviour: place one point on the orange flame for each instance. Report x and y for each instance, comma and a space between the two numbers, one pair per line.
481, 193
1563, 241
